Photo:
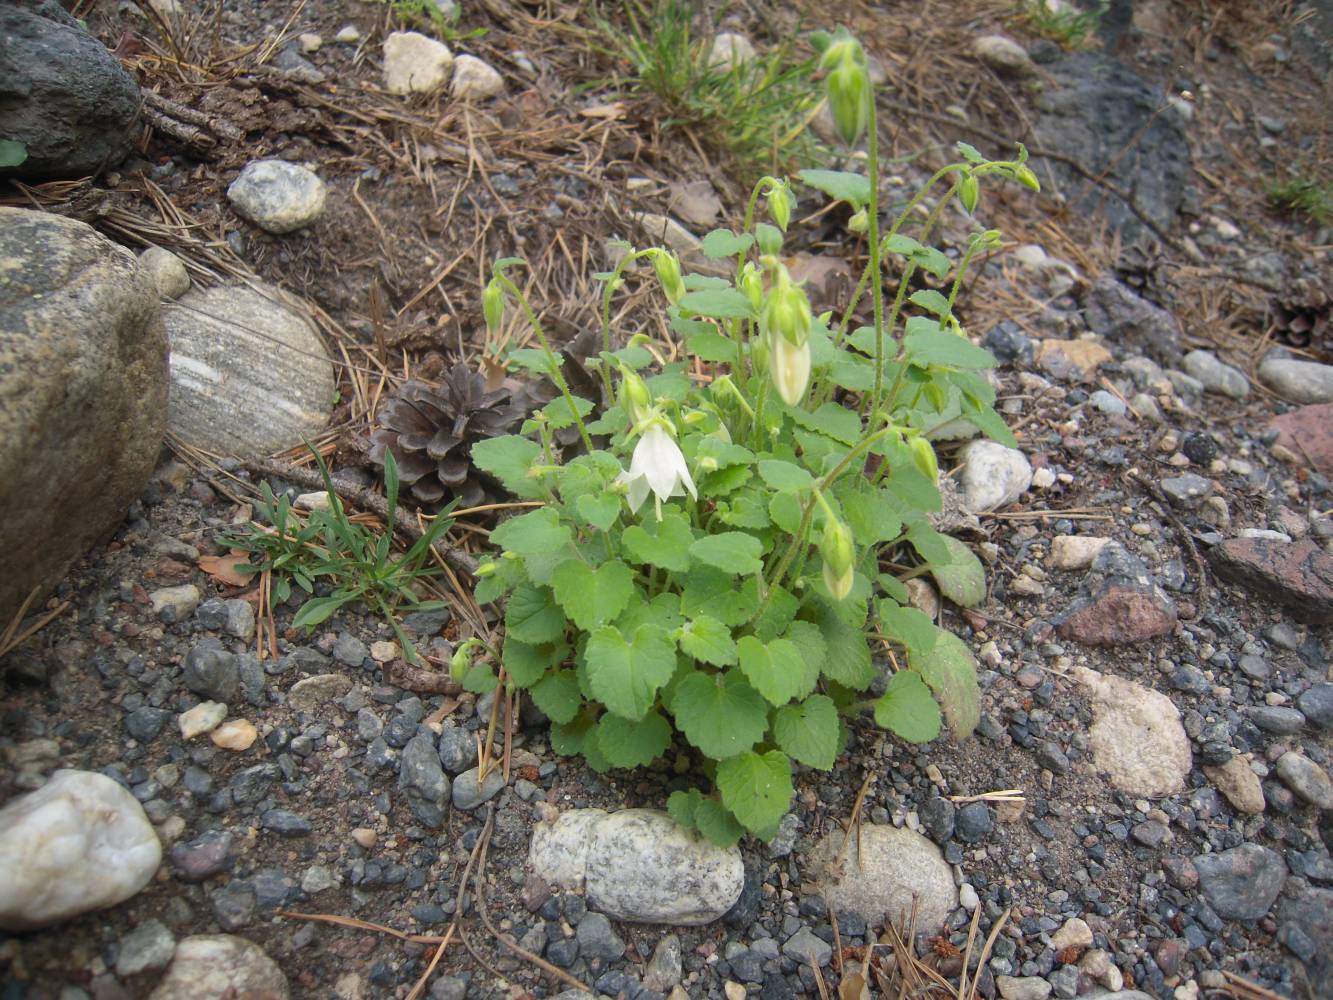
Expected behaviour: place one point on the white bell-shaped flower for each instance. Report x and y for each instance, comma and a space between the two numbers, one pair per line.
789, 367
657, 466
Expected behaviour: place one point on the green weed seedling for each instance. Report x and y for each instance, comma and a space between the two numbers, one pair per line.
712, 566
1305, 196
421, 13
755, 112
358, 562
1064, 23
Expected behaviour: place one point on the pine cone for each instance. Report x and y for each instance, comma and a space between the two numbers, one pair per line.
431, 431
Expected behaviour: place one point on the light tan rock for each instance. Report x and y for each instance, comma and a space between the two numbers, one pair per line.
1238, 783
1074, 551
892, 865
415, 64
203, 718
475, 80
1136, 736
236, 735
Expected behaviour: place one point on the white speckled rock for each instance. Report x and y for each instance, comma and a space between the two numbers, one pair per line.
1074, 551
167, 271
1298, 381
79, 843
249, 376
475, 80
415, 64
219, 967
992, 475
1136, 736
729, 51
639, 865
277, 196
893, 864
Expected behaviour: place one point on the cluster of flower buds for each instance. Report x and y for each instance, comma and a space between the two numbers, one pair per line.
786, 323
847, 84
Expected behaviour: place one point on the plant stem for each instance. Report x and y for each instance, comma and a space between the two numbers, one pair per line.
877, 287
557, 375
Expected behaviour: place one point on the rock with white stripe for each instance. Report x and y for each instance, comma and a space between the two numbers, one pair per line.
249, 375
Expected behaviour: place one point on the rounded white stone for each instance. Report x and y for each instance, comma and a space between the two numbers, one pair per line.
415, 64
992, 475
79, 843
729, 51
475, 80
277, 196
167, 271
221, 966
878, 879
1136, 737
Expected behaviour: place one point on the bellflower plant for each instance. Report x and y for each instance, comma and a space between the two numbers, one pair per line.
750, 612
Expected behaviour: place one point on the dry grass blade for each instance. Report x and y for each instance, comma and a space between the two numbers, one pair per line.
1003, 795
854, 823
1243, 989
12, 638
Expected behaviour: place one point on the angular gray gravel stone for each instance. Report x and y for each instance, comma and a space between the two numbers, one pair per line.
1188, 490
1241, 883
149, 946
350, 650
598, 939
210, 670
310, 694
1276, 719
204, 856
419, 770
1217, 376
806, 948
1316, 704
663, 971
458, 749
469, 793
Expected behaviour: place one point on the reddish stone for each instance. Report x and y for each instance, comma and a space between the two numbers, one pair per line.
1120, 613
1180, 872
1297, 575
1308, 434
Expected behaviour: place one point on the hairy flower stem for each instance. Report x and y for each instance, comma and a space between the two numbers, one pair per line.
556, 374
877, 288
616, 274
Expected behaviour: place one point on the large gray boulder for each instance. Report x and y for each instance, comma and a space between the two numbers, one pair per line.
62, 94
83, 394
249, 375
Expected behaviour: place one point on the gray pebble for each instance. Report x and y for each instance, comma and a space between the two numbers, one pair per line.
469, 793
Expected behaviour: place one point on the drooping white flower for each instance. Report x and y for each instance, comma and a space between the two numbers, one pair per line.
789, 367
657, 465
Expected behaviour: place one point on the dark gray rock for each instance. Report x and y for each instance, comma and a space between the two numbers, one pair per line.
598, 939
973, 822
1276, 719
204, 856
458, 749
285, 823
1120, 315
82, 388
1316, 704
806, 948
419, 770
212, 671
937, 816
469, 793
62, 94
1102, 114
145, 723
1241, 883
233, 905
350, 650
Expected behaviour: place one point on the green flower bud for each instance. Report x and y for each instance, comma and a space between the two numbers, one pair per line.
751, 284
486, 569
839, 555
968, 192
859, 222
849, 100
667, 267
461, 661
1026, 177
780, 202
493, 306
634, 395
787, 312
923, 454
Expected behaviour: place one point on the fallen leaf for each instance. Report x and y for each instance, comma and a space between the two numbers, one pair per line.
223, 568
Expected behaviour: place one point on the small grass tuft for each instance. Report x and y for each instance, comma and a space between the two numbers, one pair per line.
755, 113
1061, 21
1304, 196
358, 562
428, 14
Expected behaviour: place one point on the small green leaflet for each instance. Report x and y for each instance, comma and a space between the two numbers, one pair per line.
970, 153
934, 346
559, 414
479, 679
962, 579
951, 671
709, 591
709, 816
847, 661
721, 719
534, 359
708, 641
839, 185
785, 477
709, 345
599, 510
986, 420
808, 731
730, 551
757, 789
535, 533
526, 664
625, 676
664, 544
568, 738
930, 300
681, 806
871, 514
717, 303
557, 694
592, 597
785, 511
782, 607
632, 744
810, 642
907, 708
830, 420
509, 460
724, 243
663, 611
531, 615
909, 627
775, 670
